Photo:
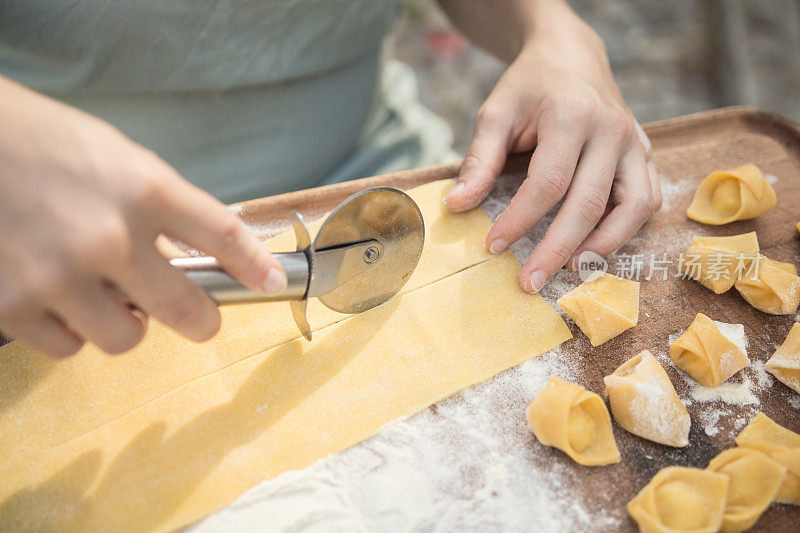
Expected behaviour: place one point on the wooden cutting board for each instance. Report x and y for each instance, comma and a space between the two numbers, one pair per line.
685, 150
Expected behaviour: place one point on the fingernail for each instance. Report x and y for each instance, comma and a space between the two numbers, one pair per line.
572, 264
538, 279
275, 282
498, 246
456, 190
139, 315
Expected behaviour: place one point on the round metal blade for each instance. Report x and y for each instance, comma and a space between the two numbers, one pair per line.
392, 218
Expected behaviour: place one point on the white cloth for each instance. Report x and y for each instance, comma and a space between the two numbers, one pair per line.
246, 98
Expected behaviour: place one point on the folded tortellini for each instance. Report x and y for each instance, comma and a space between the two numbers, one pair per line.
728, 195
645, 403
603, 307
706, 354
753, 482
782, 445
680, 498
770, 286
574, 420
717, 262
785, 362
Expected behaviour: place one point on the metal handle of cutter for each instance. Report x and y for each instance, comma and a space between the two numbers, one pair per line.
209, 275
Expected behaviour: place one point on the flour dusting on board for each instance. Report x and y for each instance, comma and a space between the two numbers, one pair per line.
672, 191
727, 408
469, 463
734, 333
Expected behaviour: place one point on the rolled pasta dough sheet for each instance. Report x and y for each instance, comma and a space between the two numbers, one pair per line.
158, 438
92, 388
195, 449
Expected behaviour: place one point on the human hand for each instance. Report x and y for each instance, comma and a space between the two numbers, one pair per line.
81, 207
559, 96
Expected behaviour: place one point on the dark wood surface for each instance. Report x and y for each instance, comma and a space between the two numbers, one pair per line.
685, 150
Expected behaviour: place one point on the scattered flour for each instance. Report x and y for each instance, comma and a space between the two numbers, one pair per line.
763, 378
655, 413
469, 463
673, 337
771, 178
674, 190
734, 333
729, 392
727, 409
794, 401
710, 420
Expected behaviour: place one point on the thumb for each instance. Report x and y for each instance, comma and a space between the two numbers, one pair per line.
484, 161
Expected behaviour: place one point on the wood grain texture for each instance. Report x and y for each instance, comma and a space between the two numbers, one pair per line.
685, 150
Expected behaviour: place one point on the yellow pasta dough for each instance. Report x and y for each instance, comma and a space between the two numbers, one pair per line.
681, 499
771, 286
159, 437
645, 403
603, 307
754, 480
789, 491
728, 195
785, 362
717, 262
31, 383
574, 420
782, 445
706, 354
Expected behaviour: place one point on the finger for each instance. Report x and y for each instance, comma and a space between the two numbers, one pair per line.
645, 140
95, 314
125, 301
201, 221
44, 333
484, 161
167, 248
582, 209
164, 292
636, 206
549, 175
655, 184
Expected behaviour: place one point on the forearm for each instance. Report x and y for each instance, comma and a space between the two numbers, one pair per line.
505, 27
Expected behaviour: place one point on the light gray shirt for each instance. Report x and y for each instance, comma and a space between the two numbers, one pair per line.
244, 97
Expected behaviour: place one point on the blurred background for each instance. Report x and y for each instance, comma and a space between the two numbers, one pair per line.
669, 57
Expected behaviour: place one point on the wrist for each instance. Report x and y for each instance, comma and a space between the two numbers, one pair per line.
555, 29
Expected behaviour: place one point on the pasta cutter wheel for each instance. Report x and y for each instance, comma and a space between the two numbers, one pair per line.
362, 255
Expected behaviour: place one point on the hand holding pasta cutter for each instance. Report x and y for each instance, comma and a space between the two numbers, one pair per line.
363, 253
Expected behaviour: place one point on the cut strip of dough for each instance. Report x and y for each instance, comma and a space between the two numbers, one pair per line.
681, 499
645, 403
782, 445
706, 354
91, 388
785, 362
603, 307
574, 420
754, 480
728, 195
771, 286
198, 447
717, 262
